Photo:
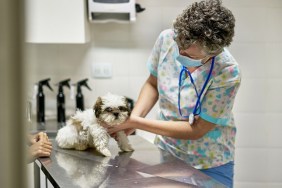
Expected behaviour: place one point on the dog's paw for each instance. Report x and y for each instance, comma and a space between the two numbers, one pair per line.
105, 152
81, 147
127, 148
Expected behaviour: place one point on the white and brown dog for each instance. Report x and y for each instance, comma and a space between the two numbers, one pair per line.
84, 129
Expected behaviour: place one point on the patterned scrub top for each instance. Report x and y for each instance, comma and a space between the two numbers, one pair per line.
217, 146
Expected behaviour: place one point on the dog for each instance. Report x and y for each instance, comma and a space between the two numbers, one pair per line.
84, 129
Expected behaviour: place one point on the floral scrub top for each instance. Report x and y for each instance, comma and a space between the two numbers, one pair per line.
217, 146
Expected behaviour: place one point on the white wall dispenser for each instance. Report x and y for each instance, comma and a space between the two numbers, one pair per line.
111, 10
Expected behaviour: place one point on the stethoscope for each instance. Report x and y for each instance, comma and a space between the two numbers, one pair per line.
198, 102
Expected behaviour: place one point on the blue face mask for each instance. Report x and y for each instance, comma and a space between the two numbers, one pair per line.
187, 61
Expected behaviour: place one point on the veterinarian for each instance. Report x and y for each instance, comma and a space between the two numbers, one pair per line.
195, 80
39, 146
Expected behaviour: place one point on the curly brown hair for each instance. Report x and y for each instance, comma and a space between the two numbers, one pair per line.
206, 23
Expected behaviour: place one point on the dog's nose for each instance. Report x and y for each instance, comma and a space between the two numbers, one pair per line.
116, 114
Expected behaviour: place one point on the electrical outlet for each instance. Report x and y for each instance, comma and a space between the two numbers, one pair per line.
101, 70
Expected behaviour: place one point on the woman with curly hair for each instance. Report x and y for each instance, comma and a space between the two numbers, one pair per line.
195, 80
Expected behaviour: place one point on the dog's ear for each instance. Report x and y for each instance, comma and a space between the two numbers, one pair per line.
129, 105
98, 107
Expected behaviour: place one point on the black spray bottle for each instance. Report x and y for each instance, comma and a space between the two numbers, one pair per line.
61, 111
40, 100
79, 96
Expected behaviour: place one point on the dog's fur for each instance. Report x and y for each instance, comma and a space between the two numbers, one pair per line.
84, 129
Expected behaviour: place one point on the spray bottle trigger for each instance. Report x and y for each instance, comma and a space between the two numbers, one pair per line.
48, 85
87, 86
82, 83
41, 83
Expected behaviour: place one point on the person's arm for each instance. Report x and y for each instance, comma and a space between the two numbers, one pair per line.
174, 129
147, 98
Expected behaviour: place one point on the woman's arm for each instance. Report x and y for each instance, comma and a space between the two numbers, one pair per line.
147, 98
176, 129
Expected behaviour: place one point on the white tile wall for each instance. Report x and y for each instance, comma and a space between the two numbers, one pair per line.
257, 47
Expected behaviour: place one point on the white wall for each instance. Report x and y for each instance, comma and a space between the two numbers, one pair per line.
257, 47
258, 111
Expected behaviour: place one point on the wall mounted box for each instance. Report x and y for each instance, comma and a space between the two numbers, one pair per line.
101, 11
56, 21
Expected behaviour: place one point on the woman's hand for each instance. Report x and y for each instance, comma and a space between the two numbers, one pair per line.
37, 137
41, 148
114, 129
127, 127
126, 131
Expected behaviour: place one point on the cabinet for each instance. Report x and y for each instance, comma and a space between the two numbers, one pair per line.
56, 21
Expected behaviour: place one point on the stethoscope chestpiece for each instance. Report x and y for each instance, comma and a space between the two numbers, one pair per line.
191, 118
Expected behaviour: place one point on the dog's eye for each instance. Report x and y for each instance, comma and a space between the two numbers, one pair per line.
109, 109
122, 108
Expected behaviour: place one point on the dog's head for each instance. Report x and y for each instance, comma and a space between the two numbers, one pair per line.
112, 109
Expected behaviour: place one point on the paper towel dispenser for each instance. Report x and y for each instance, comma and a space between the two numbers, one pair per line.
111, 10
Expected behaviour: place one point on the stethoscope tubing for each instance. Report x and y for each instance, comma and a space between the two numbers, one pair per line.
198, 102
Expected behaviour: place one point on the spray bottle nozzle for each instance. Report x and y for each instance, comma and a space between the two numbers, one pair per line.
63, 83
44, 82
82, 83
79, 96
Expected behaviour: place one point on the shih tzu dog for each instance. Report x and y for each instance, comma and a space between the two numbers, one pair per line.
84, 129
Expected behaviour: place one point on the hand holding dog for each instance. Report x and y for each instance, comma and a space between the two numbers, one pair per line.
126, 127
